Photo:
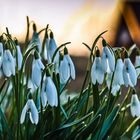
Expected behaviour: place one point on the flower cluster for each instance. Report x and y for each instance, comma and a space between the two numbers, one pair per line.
116, 71
8, 59
41, 74
34, 81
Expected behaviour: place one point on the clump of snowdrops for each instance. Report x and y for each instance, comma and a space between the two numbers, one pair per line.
34, 79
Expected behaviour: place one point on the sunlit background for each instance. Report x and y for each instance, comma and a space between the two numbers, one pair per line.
76, 21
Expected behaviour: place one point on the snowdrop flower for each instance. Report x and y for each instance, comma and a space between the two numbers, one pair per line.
37, 68
1, 54
51, 48
129, 73
97, 72
108, 59
135, 106
49, 92
118, 77
8, 64
19, 57
70, 63
137, 63
64, 69
31, 86
32, 110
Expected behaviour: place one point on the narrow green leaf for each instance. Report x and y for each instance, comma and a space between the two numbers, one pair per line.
90, 127
107, 124
5, 131
65, 126
131, 126
136, 133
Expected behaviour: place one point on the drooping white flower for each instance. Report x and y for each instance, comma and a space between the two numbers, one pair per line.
1, 54
108, 59
70, 63
37, 68
97, 72
51, 48
118, 77
19, 57
135, 106
129, 73
31, 86
137, 64
32, 110
8, 64
49, 93
64, 70
44, 95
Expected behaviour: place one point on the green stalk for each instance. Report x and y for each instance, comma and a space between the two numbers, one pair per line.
27, 33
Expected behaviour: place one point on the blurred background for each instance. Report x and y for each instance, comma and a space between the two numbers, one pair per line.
76, 21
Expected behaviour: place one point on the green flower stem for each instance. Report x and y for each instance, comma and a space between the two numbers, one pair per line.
124, 102
27, 33
96, 97
57, 119
44, 39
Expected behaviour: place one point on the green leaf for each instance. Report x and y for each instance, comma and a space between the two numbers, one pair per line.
131, 126
5, 132
136, 133
65, 126
90, 128
131, 49
107, 124
96, 97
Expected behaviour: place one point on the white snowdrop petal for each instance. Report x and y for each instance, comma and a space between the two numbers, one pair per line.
34, 111
111, 59
51, 92
108, 79
93, 72
23, 113
97, 73
137, 63
37, 71
132, 73
8, 64
1, 53
118, 75
20, 58
72, 68
104, 61
64, 71
40, 64
115, 89
31, 86
135, 106
31, 118
6, 69
11, 60
51, 48
36, 75
43, 99
100, 75
43, 96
